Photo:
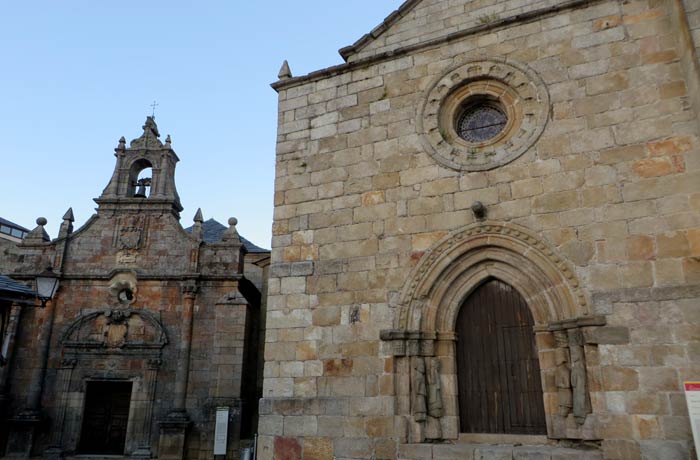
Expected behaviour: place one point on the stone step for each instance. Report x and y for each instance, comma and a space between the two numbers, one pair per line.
494, 452
96, 457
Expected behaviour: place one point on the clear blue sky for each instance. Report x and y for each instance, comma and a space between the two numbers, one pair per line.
79, 74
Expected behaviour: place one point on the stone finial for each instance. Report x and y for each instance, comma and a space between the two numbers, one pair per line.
38, 234
149, 138
231, 234
151, 126
168, 142
122, 144
285, 71
69, 215
197, 230
67, 225
198, 217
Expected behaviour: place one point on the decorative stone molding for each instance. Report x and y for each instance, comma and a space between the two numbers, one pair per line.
123, 288
68, 363
520, 92
409, 343
458, 263
110, 329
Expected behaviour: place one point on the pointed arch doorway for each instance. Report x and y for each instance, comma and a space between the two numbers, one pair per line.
499, 383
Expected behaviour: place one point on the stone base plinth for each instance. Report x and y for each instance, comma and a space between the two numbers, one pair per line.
494, 452
52, 453
23, 428
142, 453
173, 431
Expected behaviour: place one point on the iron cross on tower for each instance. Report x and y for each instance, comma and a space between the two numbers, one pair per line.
153, 106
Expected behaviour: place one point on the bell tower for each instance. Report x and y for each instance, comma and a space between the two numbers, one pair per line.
144, 176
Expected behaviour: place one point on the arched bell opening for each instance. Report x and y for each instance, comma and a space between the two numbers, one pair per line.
140, 179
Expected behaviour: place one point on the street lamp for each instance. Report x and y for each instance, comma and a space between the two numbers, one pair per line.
46, 285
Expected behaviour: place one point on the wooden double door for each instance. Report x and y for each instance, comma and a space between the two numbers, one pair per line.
105, 418
499, 383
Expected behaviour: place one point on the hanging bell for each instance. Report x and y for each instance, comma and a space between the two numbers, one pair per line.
141, 191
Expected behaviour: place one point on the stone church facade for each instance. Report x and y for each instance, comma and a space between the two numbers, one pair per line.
486, 237
152, 333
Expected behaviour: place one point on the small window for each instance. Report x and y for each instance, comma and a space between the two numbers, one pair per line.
480, 122
18, 233
5, 229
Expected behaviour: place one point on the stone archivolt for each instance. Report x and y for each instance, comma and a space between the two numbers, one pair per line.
456, 265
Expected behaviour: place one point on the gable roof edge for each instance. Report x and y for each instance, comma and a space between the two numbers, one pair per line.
284, 84
389, 21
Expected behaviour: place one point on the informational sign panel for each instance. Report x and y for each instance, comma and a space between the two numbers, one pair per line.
692, 397
221, 432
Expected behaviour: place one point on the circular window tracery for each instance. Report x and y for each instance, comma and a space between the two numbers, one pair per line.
483, 114
480, 122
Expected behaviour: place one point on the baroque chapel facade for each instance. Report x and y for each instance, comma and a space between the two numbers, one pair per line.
152, 335
486, 237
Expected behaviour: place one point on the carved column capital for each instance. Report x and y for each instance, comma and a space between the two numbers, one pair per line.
409, 343
69, 362
189, 289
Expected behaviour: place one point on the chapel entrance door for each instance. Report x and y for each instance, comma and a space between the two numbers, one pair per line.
105, 418
499, 384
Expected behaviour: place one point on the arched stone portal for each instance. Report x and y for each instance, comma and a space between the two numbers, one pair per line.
424, 338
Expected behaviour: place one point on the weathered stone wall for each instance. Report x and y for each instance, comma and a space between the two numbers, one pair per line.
611, 185
692, 9
434, 19
7, 255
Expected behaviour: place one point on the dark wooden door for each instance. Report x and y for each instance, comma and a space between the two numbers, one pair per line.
499, 384
106, 417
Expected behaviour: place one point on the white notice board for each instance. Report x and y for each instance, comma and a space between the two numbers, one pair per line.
221, 433
692, 397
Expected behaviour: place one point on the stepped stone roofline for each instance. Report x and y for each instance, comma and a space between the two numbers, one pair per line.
213, 230
389, 21
328, 72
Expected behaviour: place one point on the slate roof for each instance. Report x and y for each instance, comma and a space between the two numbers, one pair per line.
213, 230
12, 224
14, 288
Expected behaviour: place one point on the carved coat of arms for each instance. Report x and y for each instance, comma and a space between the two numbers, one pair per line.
130, 233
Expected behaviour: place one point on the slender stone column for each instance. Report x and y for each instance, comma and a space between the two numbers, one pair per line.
173, 429
65, 374
183, 368
36, 385
143, 451
8, 347
24, 425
